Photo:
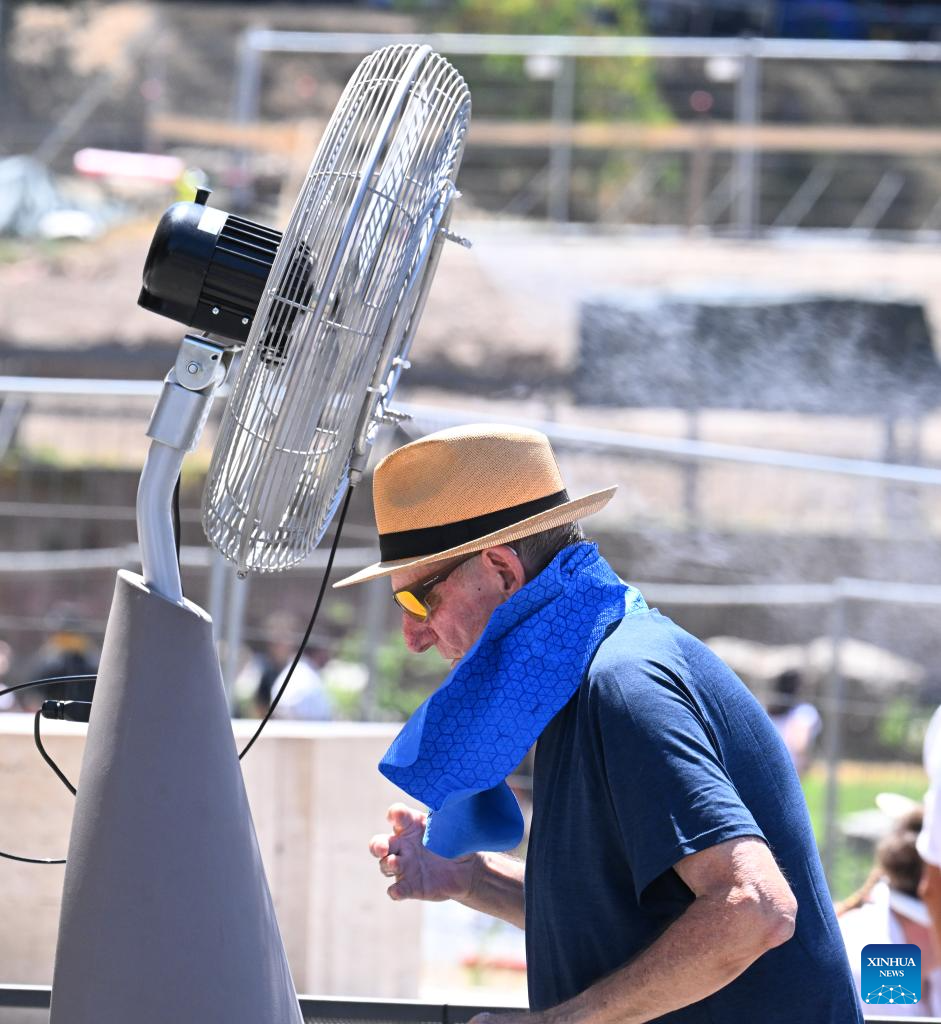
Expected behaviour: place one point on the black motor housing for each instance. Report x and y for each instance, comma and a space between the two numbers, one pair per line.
207, 268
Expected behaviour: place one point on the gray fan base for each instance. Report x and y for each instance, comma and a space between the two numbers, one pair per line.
166, 914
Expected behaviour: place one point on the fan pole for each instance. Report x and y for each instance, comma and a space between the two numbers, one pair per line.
175, 427
166, 912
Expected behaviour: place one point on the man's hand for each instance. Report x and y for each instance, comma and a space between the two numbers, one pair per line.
418, 873
489, 882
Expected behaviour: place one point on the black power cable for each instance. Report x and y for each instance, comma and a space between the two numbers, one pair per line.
175, 513
45, 755
48, 680
66, 710
77, 711
42, 750
310, 625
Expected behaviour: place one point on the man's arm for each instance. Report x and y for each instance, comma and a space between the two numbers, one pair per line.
742, 908
497, 887
489, 882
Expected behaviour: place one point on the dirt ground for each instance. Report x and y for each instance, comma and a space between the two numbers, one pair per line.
511, 303
507, 310
513, 297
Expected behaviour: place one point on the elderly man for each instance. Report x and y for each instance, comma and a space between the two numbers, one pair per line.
671, 871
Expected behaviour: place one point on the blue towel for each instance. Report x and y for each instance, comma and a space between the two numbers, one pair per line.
457, 749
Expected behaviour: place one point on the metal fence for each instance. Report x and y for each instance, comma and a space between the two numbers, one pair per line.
841, 608
732, 136
744, 135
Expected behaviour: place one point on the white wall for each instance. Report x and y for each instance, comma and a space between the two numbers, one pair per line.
316, 798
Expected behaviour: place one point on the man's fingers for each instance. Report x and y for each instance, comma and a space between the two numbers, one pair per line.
379, 846
393, 851
391, 866
401, 817
400, 891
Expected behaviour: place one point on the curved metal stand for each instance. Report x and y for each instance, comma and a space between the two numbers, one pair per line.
175, 427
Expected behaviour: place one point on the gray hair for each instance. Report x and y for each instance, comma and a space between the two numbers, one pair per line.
538, 550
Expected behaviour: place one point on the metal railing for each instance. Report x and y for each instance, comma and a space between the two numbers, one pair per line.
746, 136
583, 438
341, 1011
337, 1010
686, 449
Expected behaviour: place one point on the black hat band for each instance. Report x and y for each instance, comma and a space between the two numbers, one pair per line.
431, 540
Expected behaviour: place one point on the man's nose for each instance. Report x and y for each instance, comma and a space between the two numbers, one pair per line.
419, 636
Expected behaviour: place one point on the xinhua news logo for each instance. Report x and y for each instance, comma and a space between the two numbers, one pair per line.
891, 973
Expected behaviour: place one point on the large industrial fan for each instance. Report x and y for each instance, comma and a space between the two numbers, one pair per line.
166, 913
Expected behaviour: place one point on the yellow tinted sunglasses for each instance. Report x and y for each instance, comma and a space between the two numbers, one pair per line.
412, 599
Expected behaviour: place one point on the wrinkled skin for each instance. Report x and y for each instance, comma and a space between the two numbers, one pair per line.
463, 603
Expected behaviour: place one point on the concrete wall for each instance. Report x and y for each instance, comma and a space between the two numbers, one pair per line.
316, 797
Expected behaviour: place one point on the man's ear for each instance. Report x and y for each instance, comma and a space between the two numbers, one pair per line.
505, 562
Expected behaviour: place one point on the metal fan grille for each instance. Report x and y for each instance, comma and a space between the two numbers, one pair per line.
343, 296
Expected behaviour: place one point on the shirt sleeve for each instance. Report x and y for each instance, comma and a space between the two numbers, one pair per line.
671, 794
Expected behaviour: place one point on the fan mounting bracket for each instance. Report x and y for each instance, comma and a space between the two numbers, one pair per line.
200, 363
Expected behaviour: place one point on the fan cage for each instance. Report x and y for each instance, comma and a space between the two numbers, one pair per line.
340, 308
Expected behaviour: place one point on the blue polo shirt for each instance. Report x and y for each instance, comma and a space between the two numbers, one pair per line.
663, 752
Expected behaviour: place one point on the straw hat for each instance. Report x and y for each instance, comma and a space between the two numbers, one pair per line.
464, 489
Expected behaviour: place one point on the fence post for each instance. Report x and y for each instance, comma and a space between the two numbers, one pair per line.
746, 164
234, 629
217, 593
374, 627
247, 94
833, 709
690, 471
560, 157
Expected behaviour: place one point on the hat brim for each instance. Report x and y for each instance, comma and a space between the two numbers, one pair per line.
578, 508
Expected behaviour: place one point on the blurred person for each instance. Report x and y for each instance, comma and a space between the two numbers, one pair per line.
252, 688
670, 846
306, 695
68, 650
798, 723
888, 909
